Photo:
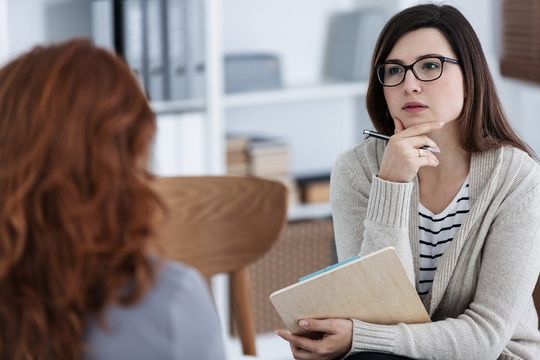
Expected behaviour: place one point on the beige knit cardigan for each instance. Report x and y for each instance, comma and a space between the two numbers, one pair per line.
480, 302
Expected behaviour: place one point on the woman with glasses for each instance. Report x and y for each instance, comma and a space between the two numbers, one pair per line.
464, 217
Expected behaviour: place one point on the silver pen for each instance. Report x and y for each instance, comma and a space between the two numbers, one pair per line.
377, 135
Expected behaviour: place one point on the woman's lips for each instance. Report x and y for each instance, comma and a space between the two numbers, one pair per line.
414, 106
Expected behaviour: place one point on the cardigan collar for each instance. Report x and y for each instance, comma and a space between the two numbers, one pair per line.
484, 178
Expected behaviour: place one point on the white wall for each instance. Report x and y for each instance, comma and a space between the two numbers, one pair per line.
253, 29
30, 22
294, 29
315, 131
266, 25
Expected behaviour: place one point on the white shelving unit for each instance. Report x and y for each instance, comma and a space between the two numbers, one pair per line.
246, 111
290, 95
224, 35
287, 95
309, 211
179, 106
296, 32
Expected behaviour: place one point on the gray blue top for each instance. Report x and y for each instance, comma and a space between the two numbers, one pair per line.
176, 319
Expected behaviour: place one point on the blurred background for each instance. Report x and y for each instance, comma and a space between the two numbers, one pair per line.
235, 81
271, 88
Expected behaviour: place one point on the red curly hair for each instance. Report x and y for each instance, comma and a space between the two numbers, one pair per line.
76, 210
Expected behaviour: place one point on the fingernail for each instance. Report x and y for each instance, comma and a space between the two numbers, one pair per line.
303, 323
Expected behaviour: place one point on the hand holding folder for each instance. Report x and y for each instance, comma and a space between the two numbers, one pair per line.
374, 288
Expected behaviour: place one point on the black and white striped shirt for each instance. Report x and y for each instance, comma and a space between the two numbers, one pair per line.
436, 232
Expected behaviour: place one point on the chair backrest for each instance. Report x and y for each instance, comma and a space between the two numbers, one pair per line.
221, 224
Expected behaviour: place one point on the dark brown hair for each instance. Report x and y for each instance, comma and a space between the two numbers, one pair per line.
76, 209
482, 123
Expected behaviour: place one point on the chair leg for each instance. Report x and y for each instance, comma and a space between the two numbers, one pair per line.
243, 316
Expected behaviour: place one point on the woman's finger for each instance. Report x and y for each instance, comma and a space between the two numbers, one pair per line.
419, 141
318, 325
426, 158
297, 340
299, 353
398, 126
421, 129
400, 161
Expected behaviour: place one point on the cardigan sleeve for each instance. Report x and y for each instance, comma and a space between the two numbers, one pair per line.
508, 273
369, 213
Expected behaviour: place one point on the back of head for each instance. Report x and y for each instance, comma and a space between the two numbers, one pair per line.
483, 124
76, 209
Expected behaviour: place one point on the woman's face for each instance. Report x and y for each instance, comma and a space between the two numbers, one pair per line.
414, 101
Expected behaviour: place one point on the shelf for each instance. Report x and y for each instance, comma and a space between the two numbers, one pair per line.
178, 106
322, 91
309, 211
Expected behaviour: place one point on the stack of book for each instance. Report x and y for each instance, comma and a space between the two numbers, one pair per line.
268, 157
237, 155
314, 188
264, 157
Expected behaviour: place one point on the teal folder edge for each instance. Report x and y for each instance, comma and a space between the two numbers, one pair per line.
328, 268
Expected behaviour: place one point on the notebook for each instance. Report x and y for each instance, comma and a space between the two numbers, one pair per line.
374, 288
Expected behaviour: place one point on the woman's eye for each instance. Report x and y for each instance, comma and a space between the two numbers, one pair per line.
394, 70
431, 65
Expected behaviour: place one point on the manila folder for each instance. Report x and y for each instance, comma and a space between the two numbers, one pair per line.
374, 288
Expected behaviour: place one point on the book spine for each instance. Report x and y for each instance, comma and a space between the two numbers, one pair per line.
176, 24
154, 68
195, 43
133, 39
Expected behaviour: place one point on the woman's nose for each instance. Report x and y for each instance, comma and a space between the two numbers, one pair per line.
411, 84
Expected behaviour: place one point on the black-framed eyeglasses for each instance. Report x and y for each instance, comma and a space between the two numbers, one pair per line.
427, 68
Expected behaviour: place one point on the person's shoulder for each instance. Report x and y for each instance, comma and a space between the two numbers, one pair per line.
518, 159
176, 274
172, 281
363, 155
361, 151
175, 279
520, 172
175, 316
186, 301
192, 310
514, 153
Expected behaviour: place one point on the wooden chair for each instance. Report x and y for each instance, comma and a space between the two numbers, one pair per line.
221, 224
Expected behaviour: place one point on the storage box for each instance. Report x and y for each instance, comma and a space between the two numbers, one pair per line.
351, 40
251, 71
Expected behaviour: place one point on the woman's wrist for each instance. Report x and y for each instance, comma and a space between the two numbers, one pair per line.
389, 202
